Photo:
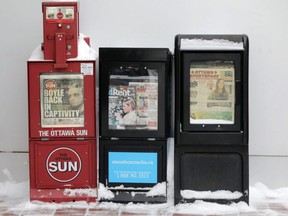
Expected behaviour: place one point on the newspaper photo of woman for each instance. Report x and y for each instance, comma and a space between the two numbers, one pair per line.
220, 92
129, 117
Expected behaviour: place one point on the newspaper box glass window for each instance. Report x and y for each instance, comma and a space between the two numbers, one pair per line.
62, 100
212, 92
134, 92
133, 98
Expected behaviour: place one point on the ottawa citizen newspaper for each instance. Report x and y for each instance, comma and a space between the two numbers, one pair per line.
212, 92
133, 102
62, 100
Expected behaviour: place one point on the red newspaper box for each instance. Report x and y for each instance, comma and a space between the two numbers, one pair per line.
62, 109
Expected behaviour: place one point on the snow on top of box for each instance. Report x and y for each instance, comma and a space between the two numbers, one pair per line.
60, 1
37, 54
215, 44
85, 52
158, 190
104, 193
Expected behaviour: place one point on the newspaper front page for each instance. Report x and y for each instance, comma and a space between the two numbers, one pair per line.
133, 102
212, 92
62, 100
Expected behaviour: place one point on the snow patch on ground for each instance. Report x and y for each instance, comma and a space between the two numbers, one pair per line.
15, 196
12, 189
200, 207
259, 193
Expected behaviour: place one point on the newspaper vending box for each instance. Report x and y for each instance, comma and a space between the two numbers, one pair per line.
134, 122
211, 117
62, 120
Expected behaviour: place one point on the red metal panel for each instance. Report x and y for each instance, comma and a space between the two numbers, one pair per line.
65, 169
88, 128
60, 17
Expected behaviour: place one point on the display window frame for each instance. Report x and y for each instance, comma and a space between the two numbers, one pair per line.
187, 57
35, 69
131, 146
105, 69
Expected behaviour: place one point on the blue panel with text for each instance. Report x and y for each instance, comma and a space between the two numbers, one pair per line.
132, 167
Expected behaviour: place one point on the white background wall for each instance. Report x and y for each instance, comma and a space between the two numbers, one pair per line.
154, 23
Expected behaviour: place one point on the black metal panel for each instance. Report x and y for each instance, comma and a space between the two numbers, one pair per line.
135, 62
208, 138
209, 168
211, 157
126, 197
142, 146
211, 171
133, 54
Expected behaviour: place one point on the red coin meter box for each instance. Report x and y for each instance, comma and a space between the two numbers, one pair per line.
61, 170
60, 29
